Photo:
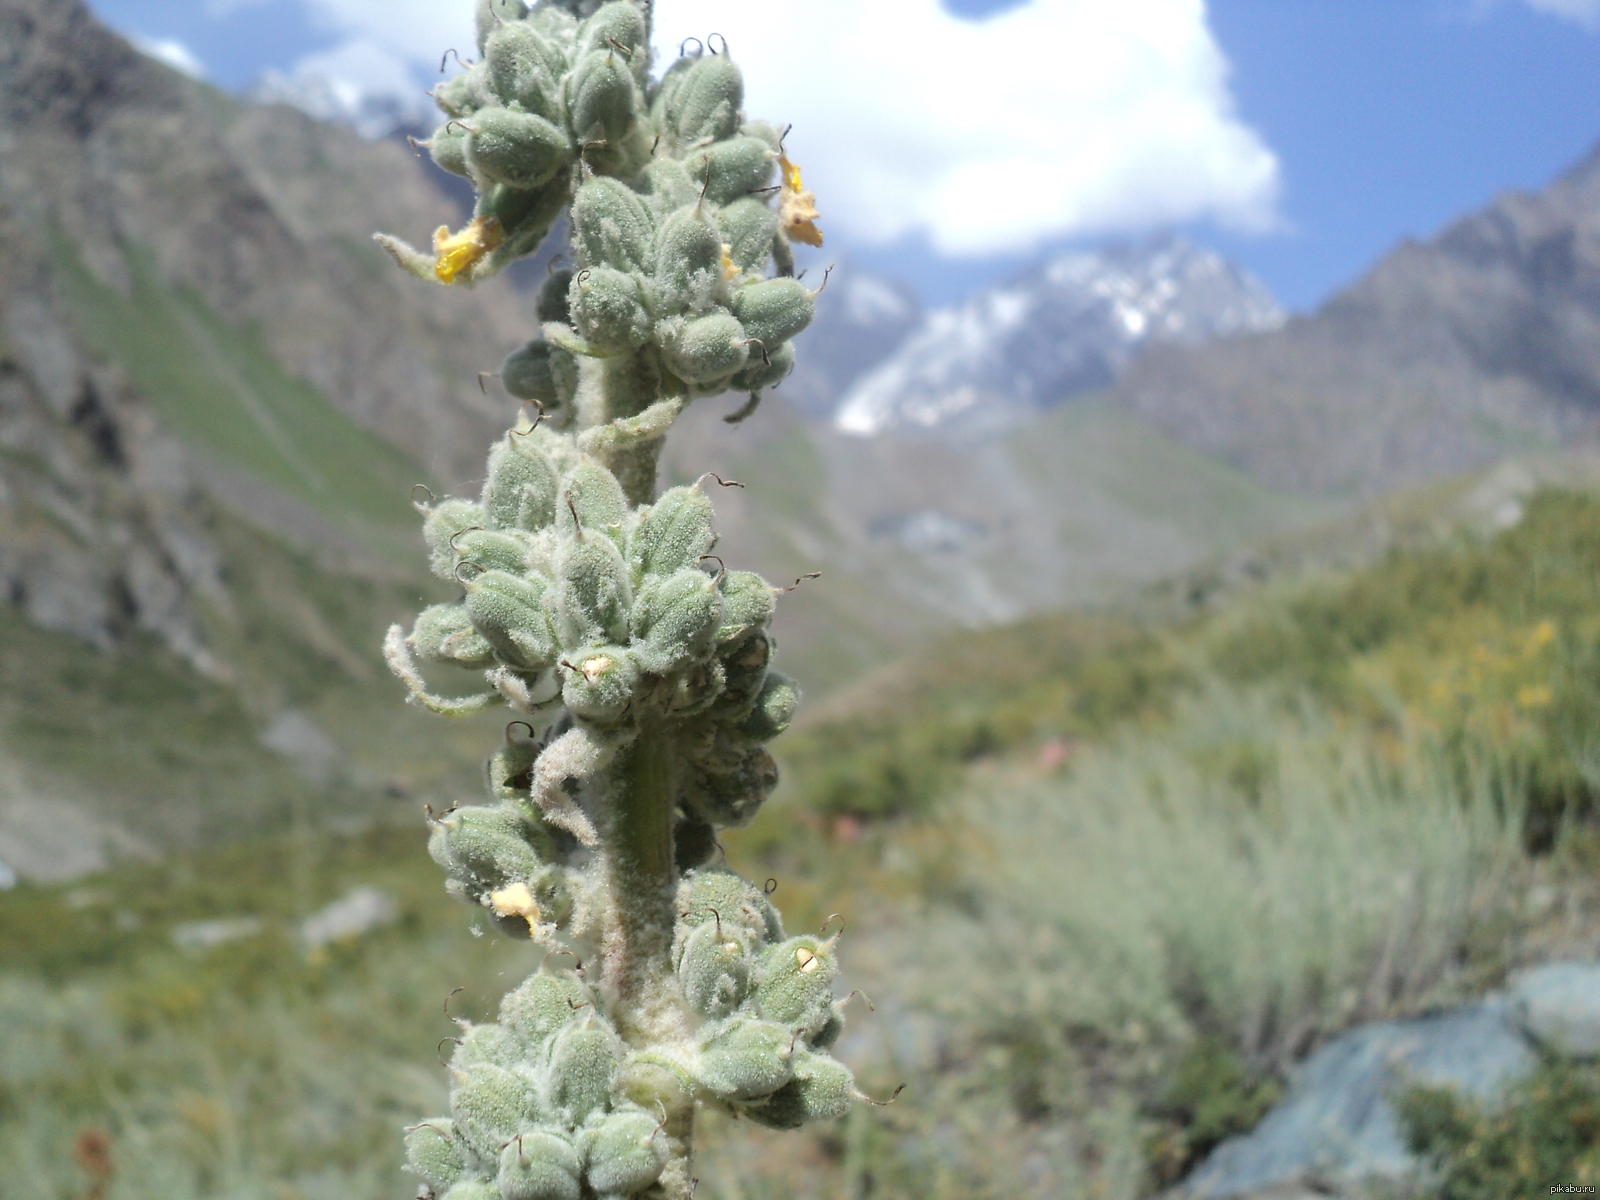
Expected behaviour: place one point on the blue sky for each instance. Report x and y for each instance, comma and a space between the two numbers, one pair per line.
1301, 137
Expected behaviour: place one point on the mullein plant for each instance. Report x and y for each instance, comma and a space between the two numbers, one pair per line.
638, 665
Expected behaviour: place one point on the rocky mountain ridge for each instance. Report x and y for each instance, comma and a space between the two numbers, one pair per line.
1446, 356
237, 237
1067, 326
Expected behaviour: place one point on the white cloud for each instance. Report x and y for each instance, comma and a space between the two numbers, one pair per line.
1585, 12
1055, 118
359, 81
172, 52
384, 54
1059, 117
414, 30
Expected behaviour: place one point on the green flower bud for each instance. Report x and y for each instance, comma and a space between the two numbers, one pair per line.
617, 26
596, 497
552, 904
490, 1105
603, 98
593, 597
539, 1164
828, 1035
695, 688
673, 533
665, 91
433, 1154
520, 490
667, 186
525, 215
492, 1044
624, 1154
747, 228
732, 169
611, 226
476, 1188
796, 986
747, 605
525, 68
765, 372
707, 348
688, 264
745, 671
768, 133
732, 798
746, 1059
774, 709
715, 968
583, 1067
486, 847
675, 620
551, 304
773, 310
509, 611
511, 768
518, 149
822, 1089
558, 21
445, 633
448, 146
601, 684
446, 519
496, 14
462, 94
736, 901
497, 549
705, 103
608, 310
542, 372
543, 1003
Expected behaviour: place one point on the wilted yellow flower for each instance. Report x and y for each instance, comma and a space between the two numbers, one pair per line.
797, 208
454, 253
516, 901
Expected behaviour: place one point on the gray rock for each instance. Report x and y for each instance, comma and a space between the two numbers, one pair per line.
298, 738
203, 935
1336, 1127
358, 911
1558, 1006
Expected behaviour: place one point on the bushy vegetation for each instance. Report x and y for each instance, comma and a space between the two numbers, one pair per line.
1103, 879
1545, 1134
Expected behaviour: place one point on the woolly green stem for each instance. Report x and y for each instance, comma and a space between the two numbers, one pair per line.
642, 881
636, 975
620, 408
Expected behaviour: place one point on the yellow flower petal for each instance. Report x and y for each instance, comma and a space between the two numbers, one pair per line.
797, 208
516, 901
454, 253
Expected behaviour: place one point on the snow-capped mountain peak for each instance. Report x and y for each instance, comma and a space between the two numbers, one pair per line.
1068, 326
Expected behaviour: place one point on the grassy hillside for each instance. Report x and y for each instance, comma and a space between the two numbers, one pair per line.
130, 752
220, 391
916, 537
1103, 878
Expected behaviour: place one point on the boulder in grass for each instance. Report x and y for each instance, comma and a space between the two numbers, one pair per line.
1558, 1006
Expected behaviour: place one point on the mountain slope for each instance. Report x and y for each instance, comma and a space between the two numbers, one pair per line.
1446, 356
215, 394
190, 301
916, 535
1068, 326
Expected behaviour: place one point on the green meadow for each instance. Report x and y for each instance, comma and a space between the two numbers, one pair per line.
1103, 878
